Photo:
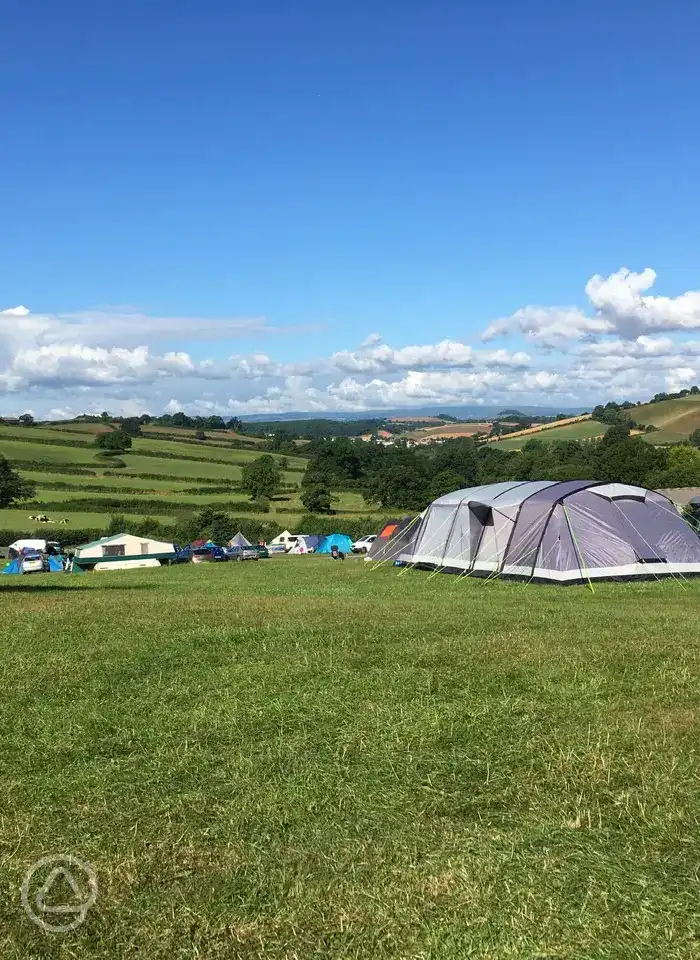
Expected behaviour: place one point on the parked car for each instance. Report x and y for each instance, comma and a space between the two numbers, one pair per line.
242, 553
33, 563
364, 543
208, 555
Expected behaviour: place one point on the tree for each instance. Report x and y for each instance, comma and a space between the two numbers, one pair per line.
13, 487
317, 498
27, 419
398, 480
113, 440
131, 426
459, 456
629, 461
104, 416
262, 477
694, 439
616, 433
683, 469
446, 482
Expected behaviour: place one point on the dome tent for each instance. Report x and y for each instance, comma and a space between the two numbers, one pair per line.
574, 531
339, 540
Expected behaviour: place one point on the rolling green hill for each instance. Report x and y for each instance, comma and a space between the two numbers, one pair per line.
676, 419
583, 430
164, 476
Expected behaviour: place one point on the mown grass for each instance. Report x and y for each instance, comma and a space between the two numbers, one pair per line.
572, 431
26, 450
304, 759
204, 449
18, 519
128, 483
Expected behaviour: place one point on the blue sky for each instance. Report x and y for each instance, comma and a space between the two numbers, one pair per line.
229, 181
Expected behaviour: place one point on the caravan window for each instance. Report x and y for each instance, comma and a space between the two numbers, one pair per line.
113, 550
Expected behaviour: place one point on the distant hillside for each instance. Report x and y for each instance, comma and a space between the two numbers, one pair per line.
465, 412
451, 430
576, 430
676, 419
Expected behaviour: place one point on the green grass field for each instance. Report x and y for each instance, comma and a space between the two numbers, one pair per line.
18, 519
122, 480
173, 472
306, 760
583, 430
676, 419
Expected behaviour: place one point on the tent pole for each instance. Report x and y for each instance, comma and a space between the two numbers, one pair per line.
579, 556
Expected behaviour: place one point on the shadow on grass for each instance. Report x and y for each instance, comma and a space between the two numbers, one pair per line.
50, 587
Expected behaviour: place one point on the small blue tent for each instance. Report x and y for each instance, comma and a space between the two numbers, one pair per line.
13, 566
339, 540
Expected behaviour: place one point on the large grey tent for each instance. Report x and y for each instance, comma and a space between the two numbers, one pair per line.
564, 532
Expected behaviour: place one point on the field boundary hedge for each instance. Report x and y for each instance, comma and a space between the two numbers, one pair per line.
66, 470
46, 440
49, 531
144, 507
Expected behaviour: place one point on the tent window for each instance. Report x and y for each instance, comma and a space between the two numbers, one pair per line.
648, 557
482, 513
144, 548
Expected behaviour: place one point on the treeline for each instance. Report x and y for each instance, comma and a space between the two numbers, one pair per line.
145, 506
409, 479
310, 429
220, 526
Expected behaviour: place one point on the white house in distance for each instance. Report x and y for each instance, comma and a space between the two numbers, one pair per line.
139, 550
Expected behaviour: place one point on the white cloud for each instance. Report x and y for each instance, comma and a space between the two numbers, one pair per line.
107, 328
619, 308
380, 358
548, 326
627, 346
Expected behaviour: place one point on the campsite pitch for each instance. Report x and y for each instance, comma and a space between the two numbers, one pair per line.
307, 759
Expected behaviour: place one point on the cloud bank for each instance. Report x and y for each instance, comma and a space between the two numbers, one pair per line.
627, 343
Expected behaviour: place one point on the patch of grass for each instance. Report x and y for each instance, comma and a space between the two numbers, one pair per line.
18, 519
122, 480
40, 433
676, 419
583, 430
202, 450
26, 450
72, 426
306, 759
